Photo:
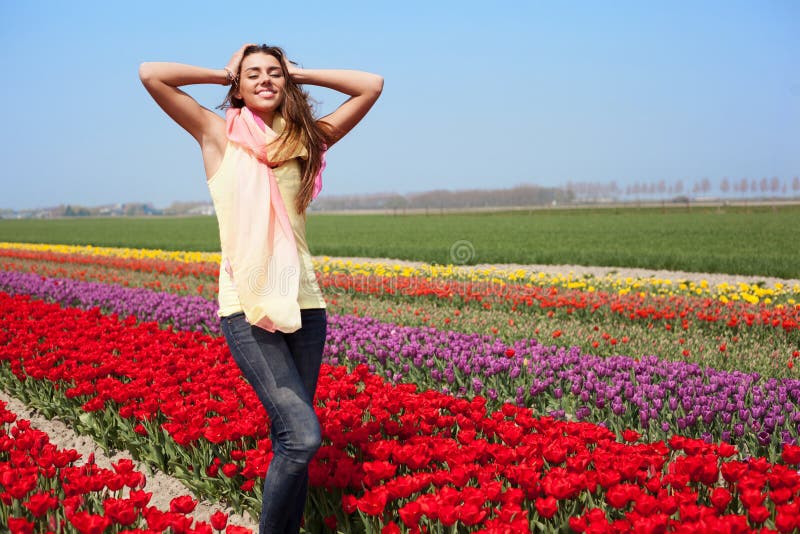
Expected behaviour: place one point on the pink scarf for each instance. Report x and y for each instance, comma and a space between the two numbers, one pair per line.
261, 251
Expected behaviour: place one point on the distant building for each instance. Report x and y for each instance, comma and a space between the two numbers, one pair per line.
204, 209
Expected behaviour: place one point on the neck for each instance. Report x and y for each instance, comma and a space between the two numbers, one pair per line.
266, 116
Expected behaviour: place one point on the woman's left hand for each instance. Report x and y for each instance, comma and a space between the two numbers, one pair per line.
292, 69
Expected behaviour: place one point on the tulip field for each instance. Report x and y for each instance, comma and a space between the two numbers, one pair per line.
41, 479
451, 399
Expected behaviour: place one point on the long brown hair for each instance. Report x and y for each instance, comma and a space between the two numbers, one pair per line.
301, 128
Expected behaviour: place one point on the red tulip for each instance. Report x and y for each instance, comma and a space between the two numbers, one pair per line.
791, 454
183, 504
20, 525
40, 503
219, 520
120, 510
547, 507
87, 523
720, 498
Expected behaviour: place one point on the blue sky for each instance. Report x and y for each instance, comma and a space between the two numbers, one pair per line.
477, 94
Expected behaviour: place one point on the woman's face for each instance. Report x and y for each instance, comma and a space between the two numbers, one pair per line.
261, 82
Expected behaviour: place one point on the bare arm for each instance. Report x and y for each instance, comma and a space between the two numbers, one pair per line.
364, 89
162, 81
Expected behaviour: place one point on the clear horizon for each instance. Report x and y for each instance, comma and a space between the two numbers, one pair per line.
474, 98
789, 193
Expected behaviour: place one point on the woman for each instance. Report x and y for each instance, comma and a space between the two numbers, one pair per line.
263, 163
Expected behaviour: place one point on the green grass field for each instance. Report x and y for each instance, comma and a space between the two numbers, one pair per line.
754, 241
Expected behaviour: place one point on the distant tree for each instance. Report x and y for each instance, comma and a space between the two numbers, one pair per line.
743, 185
679, 187
592, 190
774, 188
397, 202
796, 184
705, 185
774, 185
764, 185
725, 186
661, 187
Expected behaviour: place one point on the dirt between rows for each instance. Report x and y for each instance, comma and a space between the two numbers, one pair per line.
163, 487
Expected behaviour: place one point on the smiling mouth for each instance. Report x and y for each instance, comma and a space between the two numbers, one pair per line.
266, 93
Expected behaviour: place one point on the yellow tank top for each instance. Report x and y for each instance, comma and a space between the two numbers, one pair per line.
288, 177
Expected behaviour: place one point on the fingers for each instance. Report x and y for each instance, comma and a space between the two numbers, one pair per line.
239, 53
236, 59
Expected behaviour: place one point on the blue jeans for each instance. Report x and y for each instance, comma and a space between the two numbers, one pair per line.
283, 369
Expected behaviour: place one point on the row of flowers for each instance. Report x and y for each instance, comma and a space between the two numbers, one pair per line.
492, 279
661, 397
675, 312
184, 312
43, 489
180, 285
731, 336
117, 252
393, 458
79, 262
744, 350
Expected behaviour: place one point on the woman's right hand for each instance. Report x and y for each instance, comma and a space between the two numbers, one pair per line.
236, 60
